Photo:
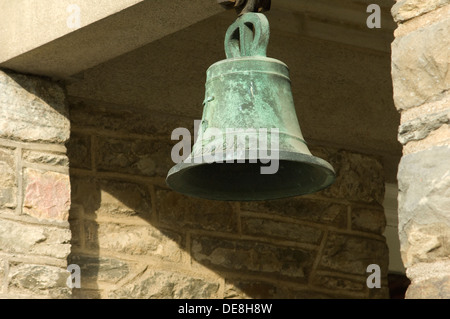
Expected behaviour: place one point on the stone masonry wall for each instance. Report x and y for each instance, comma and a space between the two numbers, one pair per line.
421, 79
34, 188
135, 238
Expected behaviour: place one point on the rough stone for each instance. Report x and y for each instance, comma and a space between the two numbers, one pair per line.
111, 198
368, 219
359, 177
351, 254
380, 293
8, 186
79, 151
76, 228
3, 265
317, 211
186, 212
425, 243
133, 156
85, 192
121, 199
98, 268
252, 257
433, 288
34, 239
420, 64
424, 203
134, 240
32, 109
419, 128
438, 137
40, 157
119, 119
408, 9
245, 289
39, 280
340, 284
281, 230
46, 195
429, 280
160, 284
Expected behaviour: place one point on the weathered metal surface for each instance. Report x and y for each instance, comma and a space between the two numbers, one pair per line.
249, 106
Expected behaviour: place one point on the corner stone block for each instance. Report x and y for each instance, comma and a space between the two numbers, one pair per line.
32, 109
424, 204
420, 65
408, 9
46, 195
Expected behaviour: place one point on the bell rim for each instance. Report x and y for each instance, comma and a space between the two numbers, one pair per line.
286, 156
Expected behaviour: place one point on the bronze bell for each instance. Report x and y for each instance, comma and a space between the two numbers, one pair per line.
249, 144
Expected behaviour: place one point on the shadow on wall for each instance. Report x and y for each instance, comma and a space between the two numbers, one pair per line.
135, 238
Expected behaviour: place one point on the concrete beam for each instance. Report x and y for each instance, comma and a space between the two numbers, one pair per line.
42, 37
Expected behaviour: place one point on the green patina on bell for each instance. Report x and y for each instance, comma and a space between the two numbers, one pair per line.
249, 145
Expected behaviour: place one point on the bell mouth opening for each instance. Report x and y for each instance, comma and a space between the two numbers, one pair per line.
245, 182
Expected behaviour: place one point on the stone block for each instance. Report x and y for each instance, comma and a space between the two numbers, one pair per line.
181, 211
76, 228
424, 203
133, 156
122, 199
162, 284
429, 280
39, 281
85, 192
281, 230
79, 151
242, 256
425, 243
32, 109
419, 128
420, 65
341, 285
26, 239
8, 186
317, 211
433, 288
46, 195
3, 269
408, 9
368, 219
94, 269
134, 240
118, 119
111, 198
380, 293
246, 289
359, 178
350, 254
40, 157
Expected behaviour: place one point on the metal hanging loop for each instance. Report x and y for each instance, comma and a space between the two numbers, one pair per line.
248, 36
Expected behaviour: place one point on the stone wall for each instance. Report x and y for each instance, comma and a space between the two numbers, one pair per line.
421, 79
34, 188
135, 238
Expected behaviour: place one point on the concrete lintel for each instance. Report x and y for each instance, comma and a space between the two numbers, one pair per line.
41, 40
